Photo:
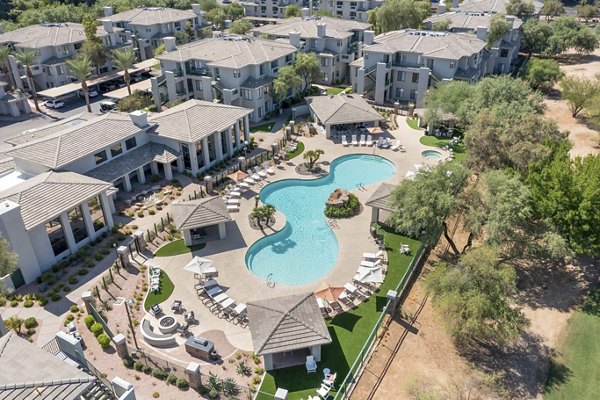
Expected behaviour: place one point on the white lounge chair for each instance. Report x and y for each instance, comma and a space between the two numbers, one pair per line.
253, 175
268, 168
363, 141
235, 193
344, 141
354, 141
233, 207
370, 264
260, 172
371, 256
323, 391
311, 365
396, 145
369, 140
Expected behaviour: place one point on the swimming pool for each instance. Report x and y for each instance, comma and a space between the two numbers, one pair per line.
431, 154
306, 248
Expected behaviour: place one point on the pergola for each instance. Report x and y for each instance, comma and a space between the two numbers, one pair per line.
380, 201
192, 216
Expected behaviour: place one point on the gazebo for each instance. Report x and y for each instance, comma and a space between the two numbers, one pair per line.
195, 218
380, 201
287, 329
343, 109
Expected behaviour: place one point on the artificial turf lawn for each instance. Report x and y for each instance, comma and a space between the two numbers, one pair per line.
460, 153
299, 150
413, 123
176, 248
332, 91
349, 331
268, 127
165, 289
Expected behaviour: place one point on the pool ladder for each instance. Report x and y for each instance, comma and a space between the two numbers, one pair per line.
361, 187
333, 223
269, 282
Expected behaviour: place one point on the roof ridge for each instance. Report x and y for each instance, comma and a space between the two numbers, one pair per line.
187, 123
190, 214
9, 336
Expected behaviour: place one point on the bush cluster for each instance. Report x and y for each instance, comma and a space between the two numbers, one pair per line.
348, 210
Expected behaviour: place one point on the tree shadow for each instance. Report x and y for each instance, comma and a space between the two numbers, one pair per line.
558, 375
347, 321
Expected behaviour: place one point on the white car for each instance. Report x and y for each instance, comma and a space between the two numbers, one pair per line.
54, 104
91, 93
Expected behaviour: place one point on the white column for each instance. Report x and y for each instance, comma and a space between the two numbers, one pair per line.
87, 219
154, 168
218, 145
168, 171
180, 165
127, 183
205, 153
237, 135
228, 142
64, 221
141, 175
246, 128
108, 208
187, 237
193, 158
222, 231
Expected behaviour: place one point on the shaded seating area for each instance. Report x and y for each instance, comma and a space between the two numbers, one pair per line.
154, 338
208, 212
219, 303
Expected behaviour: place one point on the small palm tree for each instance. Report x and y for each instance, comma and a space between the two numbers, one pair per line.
265, 212
312, 156
27, 58
6, 51
15, 323
124, 59
80, 69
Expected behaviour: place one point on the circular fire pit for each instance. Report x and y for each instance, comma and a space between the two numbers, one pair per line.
167, 324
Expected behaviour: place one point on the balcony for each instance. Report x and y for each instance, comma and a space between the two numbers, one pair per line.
197, 71
405, 64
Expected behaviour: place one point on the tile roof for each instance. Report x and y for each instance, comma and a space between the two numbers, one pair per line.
493, 6
28, 372
147, 16
230, 52
253, 83
336, 27
286, 323
46, 195
445, 45
6, 163
381, 197
49, 34
65, 146
195, 119
199, 213
117, 167
467, 20
38, 133
342, 109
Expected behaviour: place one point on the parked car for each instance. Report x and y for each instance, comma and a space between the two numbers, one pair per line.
91, 93
137, 78
106, 106
54, 104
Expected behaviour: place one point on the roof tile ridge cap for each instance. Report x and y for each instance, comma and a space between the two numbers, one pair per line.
187, 123
196, 206
280, 320
10, 336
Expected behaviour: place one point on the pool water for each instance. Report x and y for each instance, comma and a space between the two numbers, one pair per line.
306, 249
431, 154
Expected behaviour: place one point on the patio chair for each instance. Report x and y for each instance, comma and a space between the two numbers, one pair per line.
396, 145
260, 172
344, 141
268, 168
369, 140
155, 310
311, 365
354, 141
335, 306
233, 207
370, 264
346, 299
329, 380
253, 175
363, 141
177, 306
323, 391
373, 256
322, 307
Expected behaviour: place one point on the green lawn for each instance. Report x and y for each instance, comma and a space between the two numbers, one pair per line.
349, 332
575, 372
176, 248
413, 123
335, 90
460, 153
299, 150
165, 290
268, 127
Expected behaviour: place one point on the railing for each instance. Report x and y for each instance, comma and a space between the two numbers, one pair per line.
400, 63
196, 71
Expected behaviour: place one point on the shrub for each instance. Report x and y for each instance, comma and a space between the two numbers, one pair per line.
138, 366
171, 379
348, 210
30, 322
182, 384
28, 303
67, 289
151, 212
89, 264
243, 369
146, 369
48, 277
42, 300
73, 281
74, 308
159, 374
70, 317
55, 297
259, 370
128, 362
156, 395
140, 214
97, 329
98, 256
104, 340
89, 321
2, 301
82, 271
30, 332
213, 393
256, 379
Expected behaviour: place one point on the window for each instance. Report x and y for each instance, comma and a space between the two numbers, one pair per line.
260, 112
260, 93
185, 153
100, 157
430, 63
199, 85
77, 224
413, 94
130, 143
49, 70
56, 235
452, 64
116, 150
60, 69
261, 69
503, 53
274, 64
415, 77
236, 73
200, 153
148, 29
401, 76
399, 93
248, 94
339, 43
323, 62
97, 213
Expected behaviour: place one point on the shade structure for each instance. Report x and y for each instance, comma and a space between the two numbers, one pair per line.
238, 176
329, 293
200, 265
369, 275
376, 130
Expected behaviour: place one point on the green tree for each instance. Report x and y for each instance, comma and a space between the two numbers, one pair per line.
136, 101
264, 213
208, 5
308, 68
27, 58
15, 323
477, 298
420, 206
292, 11
5, 52
536, 36
286, 82
124, 59
586, 12
312, 156
8, 258
159, 50
216, 16
499, 26
441, 26
80, 68
579, 92
92, 46
543, 73
520, 8
240, 27
233, 11
400, 14
552, 8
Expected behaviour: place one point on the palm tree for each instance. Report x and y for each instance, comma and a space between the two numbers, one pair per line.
312, 156
124, 60
27, 58
15, 323
81, 69
265, 212
6, 51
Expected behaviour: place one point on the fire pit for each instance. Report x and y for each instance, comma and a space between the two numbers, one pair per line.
167, 324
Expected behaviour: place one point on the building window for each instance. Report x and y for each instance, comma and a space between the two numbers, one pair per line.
200, 153
224, 147
261, 69
236, 73
77, 224
260, 93
430, 63
56, 235
49, 70
248, 94
452, 64
274, 64
401, 76
148, 29
339, 43
97, 213
100, 157
116, 149
260, 112
399, 93
415, 77
503, 53
199, 85
413, 94
130, 143
60, 69
323, 62
185, 152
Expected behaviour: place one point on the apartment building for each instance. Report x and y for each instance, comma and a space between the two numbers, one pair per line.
234, 70
59, 192
55, 44
502, 53
401, 65
356, 10
488, 6
269, 8
334, 41
149, 25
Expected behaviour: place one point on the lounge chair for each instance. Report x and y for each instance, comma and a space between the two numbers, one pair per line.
233, 207
363, 141
214, 291
322, 307
370, 264
373, 256
311, 365
369, 140
245, 184
260, 172
344, 141
268, 168
323, 391
354, 141
235, 193
233, 201
329, 380
253, 175
396, 145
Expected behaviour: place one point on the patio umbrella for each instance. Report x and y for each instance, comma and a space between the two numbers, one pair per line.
329, 293
376, 130
238, 176
200, 265
369, 275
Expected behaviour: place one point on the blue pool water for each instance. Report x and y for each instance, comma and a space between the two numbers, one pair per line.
306, 248
431, 154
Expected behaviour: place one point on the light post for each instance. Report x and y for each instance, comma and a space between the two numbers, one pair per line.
114, 246
246, 144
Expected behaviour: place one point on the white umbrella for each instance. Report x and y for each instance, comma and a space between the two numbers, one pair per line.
200, 265
369, 275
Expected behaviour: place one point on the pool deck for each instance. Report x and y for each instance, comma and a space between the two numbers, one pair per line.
228, 255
